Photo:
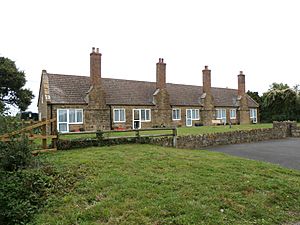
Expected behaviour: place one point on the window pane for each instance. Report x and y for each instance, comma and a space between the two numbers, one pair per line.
117, 115
148, 114
232, 113
62, 127
223, 113
72, 116
122, 115
79, 116
176, 114
188, 113
143, 116
193, 114
197, 114
62, 115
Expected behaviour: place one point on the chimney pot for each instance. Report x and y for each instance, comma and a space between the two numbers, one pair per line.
241, 72
97, 50
93, 49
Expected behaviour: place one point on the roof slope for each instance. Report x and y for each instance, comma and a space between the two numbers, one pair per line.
70, 89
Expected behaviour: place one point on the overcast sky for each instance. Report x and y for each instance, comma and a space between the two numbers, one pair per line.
259, 37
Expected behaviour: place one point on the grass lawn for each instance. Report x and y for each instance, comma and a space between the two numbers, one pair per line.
220, 128
145, 184
180, 130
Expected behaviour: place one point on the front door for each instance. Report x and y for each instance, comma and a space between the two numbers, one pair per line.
136, 120
188, 117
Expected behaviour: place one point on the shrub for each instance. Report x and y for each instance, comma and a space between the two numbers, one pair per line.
22, 193
15, 155
8, 124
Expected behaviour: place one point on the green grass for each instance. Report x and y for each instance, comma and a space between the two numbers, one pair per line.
181, 131
144, 184
220, 128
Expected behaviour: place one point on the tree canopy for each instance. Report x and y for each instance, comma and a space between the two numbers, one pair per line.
280, 102
12, 91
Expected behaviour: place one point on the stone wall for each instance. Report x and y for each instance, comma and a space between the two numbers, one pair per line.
295, 131
280, 130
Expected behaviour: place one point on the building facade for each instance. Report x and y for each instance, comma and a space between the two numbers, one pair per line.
96, 103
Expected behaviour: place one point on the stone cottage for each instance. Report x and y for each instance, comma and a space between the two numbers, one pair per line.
92, 103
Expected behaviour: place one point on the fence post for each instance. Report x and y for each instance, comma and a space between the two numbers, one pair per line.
54, 140
174, 137
137, 134
44, 139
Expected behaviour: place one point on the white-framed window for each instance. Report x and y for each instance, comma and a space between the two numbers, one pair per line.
145, 115
119, 115
75, 116
253, 115
176, 114
195, 114
232, 113
68, 116
221, 115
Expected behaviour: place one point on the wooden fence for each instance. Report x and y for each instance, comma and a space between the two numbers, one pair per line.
138, 133
28, 131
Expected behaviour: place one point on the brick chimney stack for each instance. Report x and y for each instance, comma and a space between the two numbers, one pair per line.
206, 80
207, 98
95, 67
161, 74
241, 84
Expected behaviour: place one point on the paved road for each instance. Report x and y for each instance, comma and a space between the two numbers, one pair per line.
285, 152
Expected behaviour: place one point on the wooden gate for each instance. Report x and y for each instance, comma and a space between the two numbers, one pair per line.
29, 132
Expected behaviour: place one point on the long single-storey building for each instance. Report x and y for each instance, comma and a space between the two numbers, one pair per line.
96, 103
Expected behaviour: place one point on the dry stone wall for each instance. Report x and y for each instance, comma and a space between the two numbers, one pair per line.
280, 130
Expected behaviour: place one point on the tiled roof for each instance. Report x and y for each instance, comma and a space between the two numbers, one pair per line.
70, 89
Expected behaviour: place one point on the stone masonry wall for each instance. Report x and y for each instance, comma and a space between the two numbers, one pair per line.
280, 130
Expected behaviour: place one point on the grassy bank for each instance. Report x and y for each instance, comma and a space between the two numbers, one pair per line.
143, 184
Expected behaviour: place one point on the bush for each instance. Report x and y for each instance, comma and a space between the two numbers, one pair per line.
22, 193
8, 124
15, 155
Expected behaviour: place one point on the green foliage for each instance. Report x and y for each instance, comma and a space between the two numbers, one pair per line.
22, 193
278, 86
255, 96
280, 103
15, 155
12, 91
8, 124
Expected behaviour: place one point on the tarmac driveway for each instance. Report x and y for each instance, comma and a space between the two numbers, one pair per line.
285, 152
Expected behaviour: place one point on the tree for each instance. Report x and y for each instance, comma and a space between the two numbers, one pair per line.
255, 96
12, 91
278, 86
279, 103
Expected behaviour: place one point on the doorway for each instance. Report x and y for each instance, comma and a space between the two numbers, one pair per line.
136, 120
188, 116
